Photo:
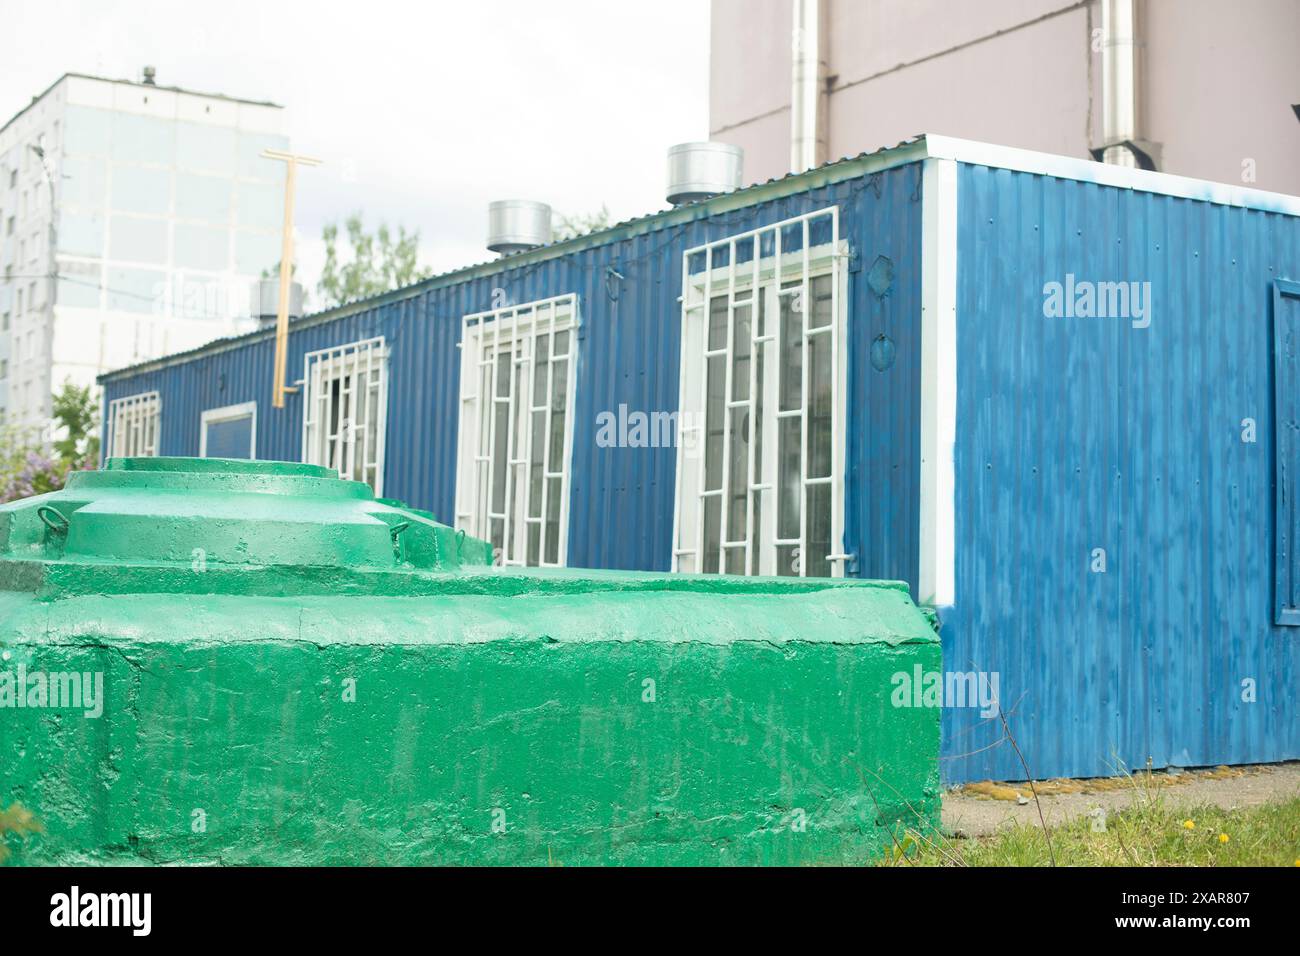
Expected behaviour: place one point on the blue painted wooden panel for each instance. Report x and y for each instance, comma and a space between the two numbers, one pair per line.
1078, 434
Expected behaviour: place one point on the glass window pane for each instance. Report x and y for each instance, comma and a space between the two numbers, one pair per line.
541, 360
819, 530
534, 540
713, 423
791, 345
717, 322
788, 484
820, 291
536, 465
738, 478
553, 502
559, 398
820, 381
500, 435
712, 533
740, 347
496, 536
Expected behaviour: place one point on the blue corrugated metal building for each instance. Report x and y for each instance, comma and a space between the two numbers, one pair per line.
1061, 400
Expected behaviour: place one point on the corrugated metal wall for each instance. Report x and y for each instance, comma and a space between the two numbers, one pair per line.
621, 511
1075, 434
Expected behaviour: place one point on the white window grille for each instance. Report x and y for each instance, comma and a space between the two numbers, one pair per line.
345, 410
133, 424
760, 482
516, 429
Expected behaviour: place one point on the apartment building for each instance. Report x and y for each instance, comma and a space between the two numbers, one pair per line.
1197, 88
134, 219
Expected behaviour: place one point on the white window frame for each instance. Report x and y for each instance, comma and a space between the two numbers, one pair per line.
134, 425
229, 413
339, 363
486, 332
737, 282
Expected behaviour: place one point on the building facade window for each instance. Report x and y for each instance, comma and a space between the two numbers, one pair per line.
229, 432
516, 429
133, 426
345, 409
760, 464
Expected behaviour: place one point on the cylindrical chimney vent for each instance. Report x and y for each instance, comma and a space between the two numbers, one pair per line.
266, 301
700, 170
517, 225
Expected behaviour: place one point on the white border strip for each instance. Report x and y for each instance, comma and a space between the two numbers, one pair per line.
936, 575
1104, 174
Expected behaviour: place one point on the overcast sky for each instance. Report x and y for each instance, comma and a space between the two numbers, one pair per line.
422, 111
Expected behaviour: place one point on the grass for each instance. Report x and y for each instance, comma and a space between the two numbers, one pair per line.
1153, 832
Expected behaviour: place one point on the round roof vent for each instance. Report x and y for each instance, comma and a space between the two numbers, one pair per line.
700, 170
517, 225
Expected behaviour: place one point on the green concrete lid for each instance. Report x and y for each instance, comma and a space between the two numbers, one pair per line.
217, 516
256, 529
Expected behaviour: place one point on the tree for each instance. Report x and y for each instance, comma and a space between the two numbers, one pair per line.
26, 467
582, 224
377, 263
75, 412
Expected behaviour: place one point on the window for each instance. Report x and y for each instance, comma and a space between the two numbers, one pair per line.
229, 432
516, 429
133, 424
4, 368
760, 469
345, 409
1286, 440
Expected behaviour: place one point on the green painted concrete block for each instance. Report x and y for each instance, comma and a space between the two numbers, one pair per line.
273, 667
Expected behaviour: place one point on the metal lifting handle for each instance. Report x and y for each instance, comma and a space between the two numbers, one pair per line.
58, 523
395, 532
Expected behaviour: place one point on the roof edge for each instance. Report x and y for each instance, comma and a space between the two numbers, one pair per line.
978, 153
928, 146
907, 152
153, 86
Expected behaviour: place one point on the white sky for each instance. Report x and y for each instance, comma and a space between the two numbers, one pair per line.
422, 111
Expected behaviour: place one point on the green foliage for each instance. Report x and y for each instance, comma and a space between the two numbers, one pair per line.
27, 468
16, 822
1155, 831
580, 225
76, 412
375, 262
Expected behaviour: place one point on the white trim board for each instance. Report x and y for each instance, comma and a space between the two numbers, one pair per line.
1104, 174
937, 532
